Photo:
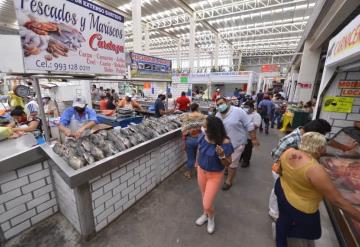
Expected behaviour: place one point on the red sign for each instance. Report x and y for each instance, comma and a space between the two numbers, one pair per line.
352, 92
304, 85
349, 84
270, 68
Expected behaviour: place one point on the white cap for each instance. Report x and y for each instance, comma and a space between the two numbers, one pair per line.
31, 107
79, 102
162, 93
218, 90
46, 95
128, 95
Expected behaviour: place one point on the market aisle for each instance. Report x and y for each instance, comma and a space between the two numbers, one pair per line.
166, 216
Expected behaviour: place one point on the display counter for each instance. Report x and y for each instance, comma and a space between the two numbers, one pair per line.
122, 122
36, 183
344, 170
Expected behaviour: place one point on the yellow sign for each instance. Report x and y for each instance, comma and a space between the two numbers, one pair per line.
338, 104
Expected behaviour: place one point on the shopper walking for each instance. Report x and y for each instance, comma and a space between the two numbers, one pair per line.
238, 125
278, 112
259, 97
215, 152
266, 109
300, 189
249, 108
191, 129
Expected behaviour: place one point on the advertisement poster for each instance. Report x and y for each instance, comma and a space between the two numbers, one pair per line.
270, 68
338, 104
71, 36
143, 66
349, 84
345, 45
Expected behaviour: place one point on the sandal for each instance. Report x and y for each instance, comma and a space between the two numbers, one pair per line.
187, 175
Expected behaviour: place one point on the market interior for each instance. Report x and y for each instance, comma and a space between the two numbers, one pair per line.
136, 122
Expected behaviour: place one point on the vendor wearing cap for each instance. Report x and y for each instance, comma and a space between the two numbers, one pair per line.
160, 106
129, 103
76, 119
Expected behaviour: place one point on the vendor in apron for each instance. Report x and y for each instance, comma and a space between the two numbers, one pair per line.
77, 119
129, 103
27, 122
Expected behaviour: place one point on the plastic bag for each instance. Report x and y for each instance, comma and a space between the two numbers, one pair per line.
5, 132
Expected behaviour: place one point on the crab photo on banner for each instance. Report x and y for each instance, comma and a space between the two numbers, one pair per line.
70, 36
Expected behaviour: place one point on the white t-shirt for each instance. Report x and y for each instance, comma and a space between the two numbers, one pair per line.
256, 119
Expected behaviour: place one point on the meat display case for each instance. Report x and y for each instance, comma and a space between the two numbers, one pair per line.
344, 170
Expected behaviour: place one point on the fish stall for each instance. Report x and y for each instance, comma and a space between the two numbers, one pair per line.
91, 181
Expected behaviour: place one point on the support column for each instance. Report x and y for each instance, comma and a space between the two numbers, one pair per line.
192, 41
293, 81
217, 46
136, 25
231, 57
198, 53
240, 59
178, 55
147, 40
307, 75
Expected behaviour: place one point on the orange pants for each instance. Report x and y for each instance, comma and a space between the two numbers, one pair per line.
209, 183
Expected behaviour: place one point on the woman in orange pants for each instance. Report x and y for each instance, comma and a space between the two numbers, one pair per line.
214, 155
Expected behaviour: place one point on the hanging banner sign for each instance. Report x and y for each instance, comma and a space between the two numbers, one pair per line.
338, 104
76, 36
351, 92
270, 68
345, 45
143, 66
348, 84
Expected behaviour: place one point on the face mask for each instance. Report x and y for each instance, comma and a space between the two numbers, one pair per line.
79, 110
222, 108
247, 110
128, 99
203, 129
210, 113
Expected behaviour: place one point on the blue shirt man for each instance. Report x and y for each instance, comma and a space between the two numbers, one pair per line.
76, 119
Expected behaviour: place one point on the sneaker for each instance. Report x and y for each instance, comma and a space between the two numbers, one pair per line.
226, 186
273, 215
211, 225
273, 229
201, 220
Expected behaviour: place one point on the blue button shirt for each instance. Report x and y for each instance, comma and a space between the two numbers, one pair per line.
159, 105
208, 159
89, 115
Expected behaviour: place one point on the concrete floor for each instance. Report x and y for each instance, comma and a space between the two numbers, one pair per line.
165, 217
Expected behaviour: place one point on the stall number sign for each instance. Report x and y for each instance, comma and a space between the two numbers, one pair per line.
76, 36
338, 104
184, 79
349, 88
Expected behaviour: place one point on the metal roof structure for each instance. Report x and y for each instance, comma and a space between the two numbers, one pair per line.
251, 27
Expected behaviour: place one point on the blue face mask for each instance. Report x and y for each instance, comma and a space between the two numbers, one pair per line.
222, 108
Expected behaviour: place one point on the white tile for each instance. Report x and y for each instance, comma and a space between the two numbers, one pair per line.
17, 229
22, 217
43, 215
39, 175
29, 169
9, 195
19, 200
12, 213
8, 176
46, 205
33, 186
14, 184
37, 201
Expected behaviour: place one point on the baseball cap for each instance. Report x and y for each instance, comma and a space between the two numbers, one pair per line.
218, 90
79, 102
